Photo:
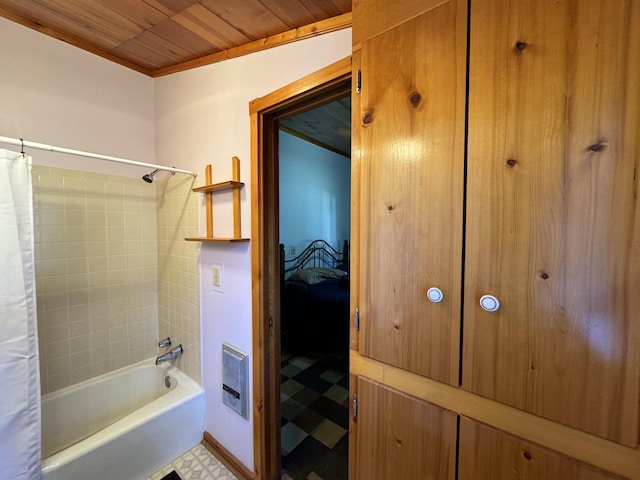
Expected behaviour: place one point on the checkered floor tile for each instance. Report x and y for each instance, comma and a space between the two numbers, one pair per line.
198, 463
314, 401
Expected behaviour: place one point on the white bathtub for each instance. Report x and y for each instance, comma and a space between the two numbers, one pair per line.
122, 425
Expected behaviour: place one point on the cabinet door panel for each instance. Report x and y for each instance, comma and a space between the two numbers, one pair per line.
373, 17
411, 146
553, 218
489, 454
402, 437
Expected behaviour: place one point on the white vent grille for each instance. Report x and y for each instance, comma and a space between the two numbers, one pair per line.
234, 380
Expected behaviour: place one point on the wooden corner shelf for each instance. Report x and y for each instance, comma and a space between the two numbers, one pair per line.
234, 185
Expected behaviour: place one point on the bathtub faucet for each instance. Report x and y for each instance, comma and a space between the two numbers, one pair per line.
170, 355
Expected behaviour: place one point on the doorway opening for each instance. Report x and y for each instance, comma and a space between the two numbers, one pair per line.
314, 196
272, 437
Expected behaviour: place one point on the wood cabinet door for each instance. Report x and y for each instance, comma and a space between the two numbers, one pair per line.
410, 145
553, 215
489, 454
399, 436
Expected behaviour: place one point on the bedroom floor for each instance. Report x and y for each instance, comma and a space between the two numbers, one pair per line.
314, 399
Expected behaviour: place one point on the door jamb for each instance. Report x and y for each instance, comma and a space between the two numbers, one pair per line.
264, 113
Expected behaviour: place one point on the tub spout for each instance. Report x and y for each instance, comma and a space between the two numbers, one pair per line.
170, 355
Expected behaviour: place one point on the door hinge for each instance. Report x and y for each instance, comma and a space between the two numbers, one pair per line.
355, 405
270, 322
358, 81
357, 319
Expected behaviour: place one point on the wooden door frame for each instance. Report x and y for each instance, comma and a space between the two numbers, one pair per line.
331, 82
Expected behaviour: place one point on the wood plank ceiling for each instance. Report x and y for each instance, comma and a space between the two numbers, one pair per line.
157, 37
328, 126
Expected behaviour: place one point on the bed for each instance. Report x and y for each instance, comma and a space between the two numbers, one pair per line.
314, 290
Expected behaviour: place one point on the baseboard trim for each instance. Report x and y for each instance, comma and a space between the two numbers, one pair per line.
227, 458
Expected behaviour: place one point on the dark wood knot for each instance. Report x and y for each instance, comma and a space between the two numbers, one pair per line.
544, 275
597, 147
367, 118
390, 207
415, 99
398, 441
520, 46
527, 455
511, 162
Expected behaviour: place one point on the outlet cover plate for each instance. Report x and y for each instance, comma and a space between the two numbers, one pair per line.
217, 280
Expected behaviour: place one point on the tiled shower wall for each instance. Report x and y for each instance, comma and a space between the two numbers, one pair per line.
113, 272
96, 273
178, 273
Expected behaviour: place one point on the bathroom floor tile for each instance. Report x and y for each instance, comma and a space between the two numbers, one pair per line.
196, 464
171, 476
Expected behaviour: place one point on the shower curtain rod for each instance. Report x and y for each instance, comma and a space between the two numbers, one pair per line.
41, 146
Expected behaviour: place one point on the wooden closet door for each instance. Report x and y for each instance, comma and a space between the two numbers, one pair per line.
553, 216
411, 151
401, 437
489, 454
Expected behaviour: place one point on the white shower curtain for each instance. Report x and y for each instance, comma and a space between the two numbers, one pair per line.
19, 364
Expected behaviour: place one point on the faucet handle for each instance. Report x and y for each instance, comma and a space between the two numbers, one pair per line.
165, 343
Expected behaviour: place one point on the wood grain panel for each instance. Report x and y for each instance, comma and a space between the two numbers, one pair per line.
141, 13
402, 437
247, 13
206, 24
488, 454
176, 37
101, 17
170, 7
582, 446
411, 124
373, 17
552, 214
56, 22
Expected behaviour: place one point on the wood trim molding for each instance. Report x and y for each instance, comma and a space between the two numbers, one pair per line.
226, 457
329, 25
289, 93
596, 451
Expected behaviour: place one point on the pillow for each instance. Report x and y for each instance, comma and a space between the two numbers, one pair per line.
316, 274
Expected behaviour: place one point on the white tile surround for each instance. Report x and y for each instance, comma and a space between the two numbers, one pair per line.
113, 273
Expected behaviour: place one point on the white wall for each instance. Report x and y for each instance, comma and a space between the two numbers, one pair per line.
57, 94
202, 116
315, 193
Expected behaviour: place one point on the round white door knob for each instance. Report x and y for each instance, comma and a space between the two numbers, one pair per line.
434, 294
489, 303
